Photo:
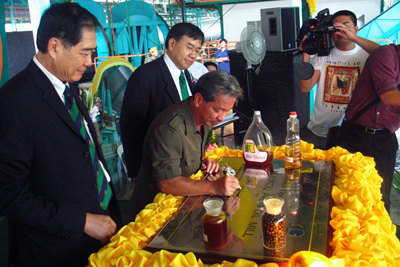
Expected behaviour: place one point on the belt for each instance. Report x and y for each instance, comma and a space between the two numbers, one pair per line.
370, 130
366, 129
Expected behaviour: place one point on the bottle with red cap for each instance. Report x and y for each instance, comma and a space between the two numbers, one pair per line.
293, 158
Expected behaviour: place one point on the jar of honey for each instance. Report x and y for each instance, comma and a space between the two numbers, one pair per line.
215, 231
274, 223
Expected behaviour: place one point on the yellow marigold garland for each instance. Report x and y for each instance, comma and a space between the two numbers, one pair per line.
363, 232
312, 6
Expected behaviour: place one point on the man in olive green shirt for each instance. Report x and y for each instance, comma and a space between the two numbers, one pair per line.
175, 143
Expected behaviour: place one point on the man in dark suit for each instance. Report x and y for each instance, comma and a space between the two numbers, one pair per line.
155, 86
49, 172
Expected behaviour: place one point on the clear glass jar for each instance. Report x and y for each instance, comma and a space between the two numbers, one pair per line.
274, 223
215, 231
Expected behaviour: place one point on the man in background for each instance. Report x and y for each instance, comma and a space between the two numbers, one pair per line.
373, 134
54, 186
196, 71
155, 86
211, 66
336, 75
176, 140
222, 56
153, 55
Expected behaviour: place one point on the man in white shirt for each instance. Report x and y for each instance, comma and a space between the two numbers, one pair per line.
336, 75
155, 86
197, 70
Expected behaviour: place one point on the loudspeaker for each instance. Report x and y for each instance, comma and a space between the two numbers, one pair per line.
20, 51
275, 91
280, 27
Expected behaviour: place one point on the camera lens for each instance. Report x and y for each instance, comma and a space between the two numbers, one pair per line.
305, 71
311, 46
331, 29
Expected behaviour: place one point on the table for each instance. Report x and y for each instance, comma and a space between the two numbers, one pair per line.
307, 207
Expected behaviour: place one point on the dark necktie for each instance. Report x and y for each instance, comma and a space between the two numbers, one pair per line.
182, 84
103, 187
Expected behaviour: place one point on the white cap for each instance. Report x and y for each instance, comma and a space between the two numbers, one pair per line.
273, 205
257, 112
213, 206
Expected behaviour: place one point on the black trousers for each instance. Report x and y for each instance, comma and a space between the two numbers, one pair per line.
308, 136
380, 144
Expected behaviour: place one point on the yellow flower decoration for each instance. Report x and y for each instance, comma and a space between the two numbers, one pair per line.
363, 234
312, 6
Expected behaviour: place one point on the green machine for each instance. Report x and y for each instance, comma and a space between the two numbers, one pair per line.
129, 29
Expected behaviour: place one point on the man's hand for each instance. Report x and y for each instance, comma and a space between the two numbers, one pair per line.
226, 186
210, 166
345, 32
306, 57
100, 227
232, 204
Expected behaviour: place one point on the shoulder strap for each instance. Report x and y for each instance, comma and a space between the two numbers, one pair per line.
360, 112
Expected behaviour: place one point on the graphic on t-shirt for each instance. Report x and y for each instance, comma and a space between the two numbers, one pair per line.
339, 83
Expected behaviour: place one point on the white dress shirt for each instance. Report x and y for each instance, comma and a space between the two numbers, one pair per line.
60, 88
175, 73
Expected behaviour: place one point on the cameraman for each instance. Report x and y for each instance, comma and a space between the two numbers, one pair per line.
336, 75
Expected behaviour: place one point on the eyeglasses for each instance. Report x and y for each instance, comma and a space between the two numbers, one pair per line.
347, 24
190, 48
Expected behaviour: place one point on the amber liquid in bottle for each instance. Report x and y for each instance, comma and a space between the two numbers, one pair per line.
267, 162
293, 159
257, 143
215, 231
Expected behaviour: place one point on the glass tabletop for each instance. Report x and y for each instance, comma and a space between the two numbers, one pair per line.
307, 207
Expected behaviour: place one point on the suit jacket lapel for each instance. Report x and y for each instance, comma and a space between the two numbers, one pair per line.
167, 78
51, 97
189, 79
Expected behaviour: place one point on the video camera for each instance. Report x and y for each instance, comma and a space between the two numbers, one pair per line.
319, 30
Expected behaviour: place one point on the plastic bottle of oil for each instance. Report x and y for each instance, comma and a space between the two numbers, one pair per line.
257, 143
293, 158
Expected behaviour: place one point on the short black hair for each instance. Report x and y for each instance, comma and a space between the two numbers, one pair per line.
210, 63
346, 13
65, 21
178, 31
223, 40
218, 82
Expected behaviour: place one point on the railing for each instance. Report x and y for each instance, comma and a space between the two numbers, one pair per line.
17, 13
382, 40
96, 59
208, 49
109, 150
